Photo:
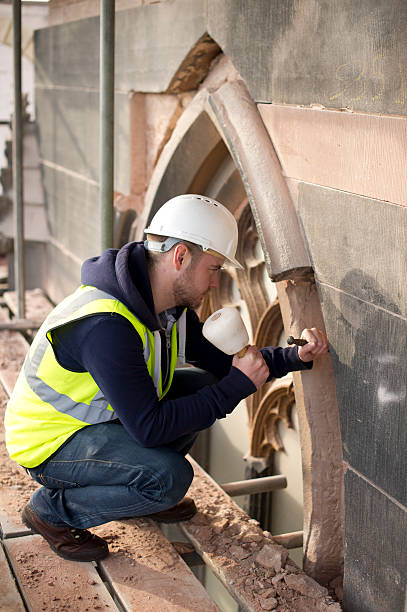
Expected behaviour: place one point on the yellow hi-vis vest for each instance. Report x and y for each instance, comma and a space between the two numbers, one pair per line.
50, 403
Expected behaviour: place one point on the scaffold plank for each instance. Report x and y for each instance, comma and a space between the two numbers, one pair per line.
9, 596
146, 572
50, 583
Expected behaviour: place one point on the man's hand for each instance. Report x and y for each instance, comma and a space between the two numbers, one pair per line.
253, 365
317, 344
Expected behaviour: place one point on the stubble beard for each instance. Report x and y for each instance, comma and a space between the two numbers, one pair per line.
183, 293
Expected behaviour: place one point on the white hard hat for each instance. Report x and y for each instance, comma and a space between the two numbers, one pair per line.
200, 220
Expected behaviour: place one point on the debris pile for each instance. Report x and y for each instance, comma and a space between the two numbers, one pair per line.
247, 560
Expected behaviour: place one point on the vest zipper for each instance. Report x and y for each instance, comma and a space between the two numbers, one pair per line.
167, 355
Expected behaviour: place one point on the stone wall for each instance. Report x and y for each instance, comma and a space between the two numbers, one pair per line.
148, 54
330, 82
339, 54
63, 11
344, 169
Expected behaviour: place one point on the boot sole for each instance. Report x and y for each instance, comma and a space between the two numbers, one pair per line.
95, 557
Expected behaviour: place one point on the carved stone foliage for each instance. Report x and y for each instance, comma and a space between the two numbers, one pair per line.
195, 65
246, 290
275, 406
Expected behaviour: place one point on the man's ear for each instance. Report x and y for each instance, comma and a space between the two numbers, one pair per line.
181, 256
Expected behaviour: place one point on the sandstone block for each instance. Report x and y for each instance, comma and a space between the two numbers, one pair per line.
305, 585
272, 557
268, 604
239, 552
277, 578
267, 593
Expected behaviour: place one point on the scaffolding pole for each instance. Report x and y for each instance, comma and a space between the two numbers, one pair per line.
19, 266
255, 485
107, 38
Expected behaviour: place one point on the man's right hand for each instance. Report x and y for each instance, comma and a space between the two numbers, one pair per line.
253, 365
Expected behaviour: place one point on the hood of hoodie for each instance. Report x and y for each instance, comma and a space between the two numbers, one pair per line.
123, 274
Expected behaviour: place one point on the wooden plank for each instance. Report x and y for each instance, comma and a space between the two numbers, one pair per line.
146, 572
13, 349
10, 599
340, 150
246, 559
50, 583
16, 487
38, 306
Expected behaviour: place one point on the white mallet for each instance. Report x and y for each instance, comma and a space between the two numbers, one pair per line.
226, 330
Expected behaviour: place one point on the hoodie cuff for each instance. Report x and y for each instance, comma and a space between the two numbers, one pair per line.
303, 365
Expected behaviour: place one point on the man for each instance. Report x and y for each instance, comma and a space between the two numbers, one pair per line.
99, 415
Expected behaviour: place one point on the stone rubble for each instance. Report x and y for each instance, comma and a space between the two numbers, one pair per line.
260, 571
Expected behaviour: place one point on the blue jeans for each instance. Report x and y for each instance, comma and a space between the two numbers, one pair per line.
102, 474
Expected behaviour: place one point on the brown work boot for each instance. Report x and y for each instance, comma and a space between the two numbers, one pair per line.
67, 542
182, 511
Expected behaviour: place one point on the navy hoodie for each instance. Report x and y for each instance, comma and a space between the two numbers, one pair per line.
108, 347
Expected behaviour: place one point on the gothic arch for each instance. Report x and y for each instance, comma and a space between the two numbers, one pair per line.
220, 146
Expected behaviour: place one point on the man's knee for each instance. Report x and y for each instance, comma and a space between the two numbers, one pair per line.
180, 475
166, 480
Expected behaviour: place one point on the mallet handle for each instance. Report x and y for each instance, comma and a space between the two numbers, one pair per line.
242, 351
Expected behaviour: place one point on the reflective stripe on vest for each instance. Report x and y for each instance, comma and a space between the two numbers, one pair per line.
95, 412
50, 403
157, 362
182, 336
181, 329
91, 413
98, 410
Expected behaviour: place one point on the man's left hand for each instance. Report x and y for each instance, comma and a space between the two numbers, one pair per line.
317, 344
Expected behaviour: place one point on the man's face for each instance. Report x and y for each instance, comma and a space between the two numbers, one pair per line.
196, 280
